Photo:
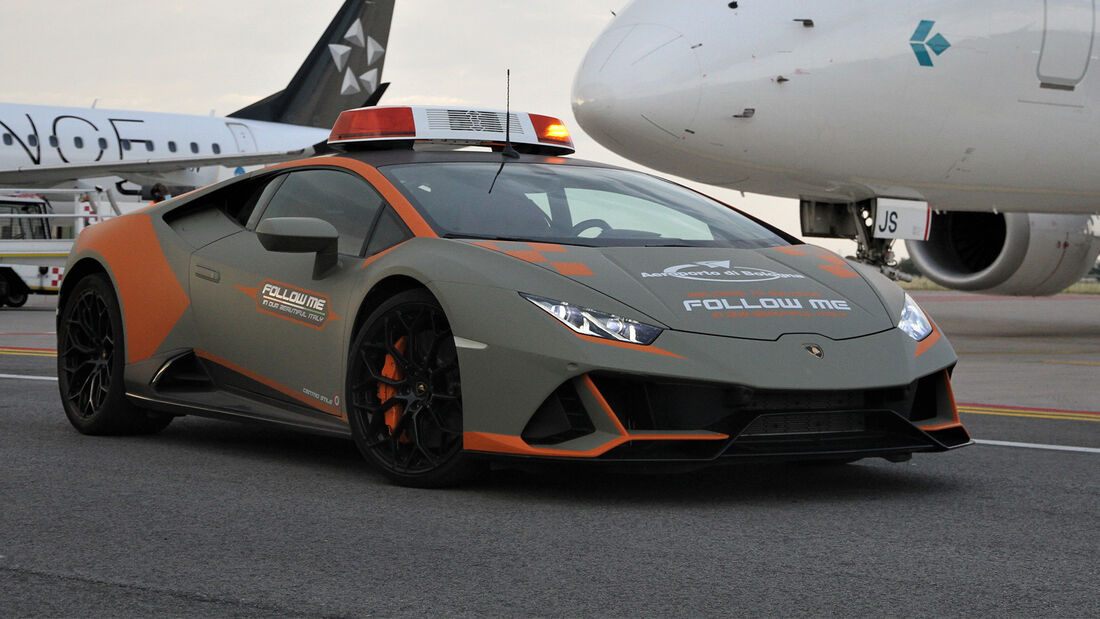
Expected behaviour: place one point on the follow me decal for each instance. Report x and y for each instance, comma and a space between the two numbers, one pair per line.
291, 303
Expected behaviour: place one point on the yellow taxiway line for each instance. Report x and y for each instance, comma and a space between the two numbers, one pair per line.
1035, 413
27, 352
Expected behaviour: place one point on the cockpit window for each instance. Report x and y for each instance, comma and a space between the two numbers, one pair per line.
572, 205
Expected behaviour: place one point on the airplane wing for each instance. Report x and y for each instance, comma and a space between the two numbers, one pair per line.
48, 174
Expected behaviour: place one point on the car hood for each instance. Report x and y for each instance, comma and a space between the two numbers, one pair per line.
747, 293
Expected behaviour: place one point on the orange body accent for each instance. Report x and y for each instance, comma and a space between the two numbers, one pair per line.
503, 443
792, 250
152, 298
954, 408
283, 389
528, 256
535, 255
371, 259
571, 268
836, 265
928, 342
627, 345
408, 213
385, 392
548, 248
838, 270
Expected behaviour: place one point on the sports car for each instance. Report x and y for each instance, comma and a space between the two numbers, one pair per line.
443, 305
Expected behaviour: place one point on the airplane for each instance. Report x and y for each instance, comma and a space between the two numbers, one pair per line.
50, 146
875, 116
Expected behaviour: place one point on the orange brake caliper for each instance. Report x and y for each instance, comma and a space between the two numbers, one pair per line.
391, 371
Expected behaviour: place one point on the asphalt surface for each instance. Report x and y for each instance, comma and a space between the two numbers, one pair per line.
213, 518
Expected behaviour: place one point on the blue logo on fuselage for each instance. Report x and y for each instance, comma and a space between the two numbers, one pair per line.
921, 43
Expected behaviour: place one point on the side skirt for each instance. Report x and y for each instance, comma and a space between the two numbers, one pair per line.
323, 427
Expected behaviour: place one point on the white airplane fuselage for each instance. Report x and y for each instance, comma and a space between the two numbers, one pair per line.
966, 105
37, 137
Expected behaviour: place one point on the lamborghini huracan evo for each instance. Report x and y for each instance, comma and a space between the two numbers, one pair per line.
442, 306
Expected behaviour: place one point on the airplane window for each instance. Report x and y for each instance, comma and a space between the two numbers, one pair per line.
7, 139
149, 145
102, 143
78, 142
194, 147
53, 141
171, 146
216, 148
32, 139
125, 144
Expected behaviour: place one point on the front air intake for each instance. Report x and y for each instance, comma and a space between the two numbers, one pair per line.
560, 418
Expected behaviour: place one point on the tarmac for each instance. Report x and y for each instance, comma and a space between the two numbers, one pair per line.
225, 519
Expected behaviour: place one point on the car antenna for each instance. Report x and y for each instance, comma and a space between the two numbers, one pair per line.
508, 152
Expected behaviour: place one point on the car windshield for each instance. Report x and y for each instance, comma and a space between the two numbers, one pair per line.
571, 204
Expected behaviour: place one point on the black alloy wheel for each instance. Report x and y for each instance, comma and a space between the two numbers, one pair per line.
90, 363
405, 405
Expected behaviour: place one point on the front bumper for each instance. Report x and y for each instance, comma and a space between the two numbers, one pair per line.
631, 419
533, 388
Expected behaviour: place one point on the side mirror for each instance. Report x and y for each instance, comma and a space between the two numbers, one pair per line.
302, 234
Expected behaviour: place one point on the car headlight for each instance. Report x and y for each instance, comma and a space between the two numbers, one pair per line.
913, 321
598, 324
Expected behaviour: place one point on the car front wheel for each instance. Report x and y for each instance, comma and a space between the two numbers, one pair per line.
405, 406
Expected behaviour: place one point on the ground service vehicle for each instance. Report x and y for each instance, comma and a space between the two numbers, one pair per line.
23, 226
441, 307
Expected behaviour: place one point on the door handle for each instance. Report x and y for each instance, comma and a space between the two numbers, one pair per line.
207, 273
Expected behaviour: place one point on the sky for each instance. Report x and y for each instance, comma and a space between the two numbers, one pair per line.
204, 56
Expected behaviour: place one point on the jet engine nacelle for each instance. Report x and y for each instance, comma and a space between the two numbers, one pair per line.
1023, 254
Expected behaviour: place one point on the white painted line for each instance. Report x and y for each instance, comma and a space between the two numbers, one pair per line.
22, 377
1088, 450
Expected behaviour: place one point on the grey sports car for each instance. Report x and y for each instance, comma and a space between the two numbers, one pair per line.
444, 306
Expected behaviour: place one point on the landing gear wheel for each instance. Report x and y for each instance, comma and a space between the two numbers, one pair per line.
90, 360
405, 406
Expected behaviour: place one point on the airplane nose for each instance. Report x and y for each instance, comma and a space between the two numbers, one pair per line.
637, 79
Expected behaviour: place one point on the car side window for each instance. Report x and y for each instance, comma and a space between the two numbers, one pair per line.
389, 231
345, 201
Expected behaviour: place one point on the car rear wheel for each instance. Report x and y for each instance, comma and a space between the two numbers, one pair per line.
405, 395
90, 360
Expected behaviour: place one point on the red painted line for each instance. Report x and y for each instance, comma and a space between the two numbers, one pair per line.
28, 349
1029, 409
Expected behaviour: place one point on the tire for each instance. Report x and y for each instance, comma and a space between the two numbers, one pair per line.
16, 299
405, 398
8, 294
90, 363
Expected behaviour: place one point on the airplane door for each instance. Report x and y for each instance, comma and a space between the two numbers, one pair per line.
1067, 43
242, 135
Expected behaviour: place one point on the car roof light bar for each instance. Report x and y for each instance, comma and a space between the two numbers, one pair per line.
450, 127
